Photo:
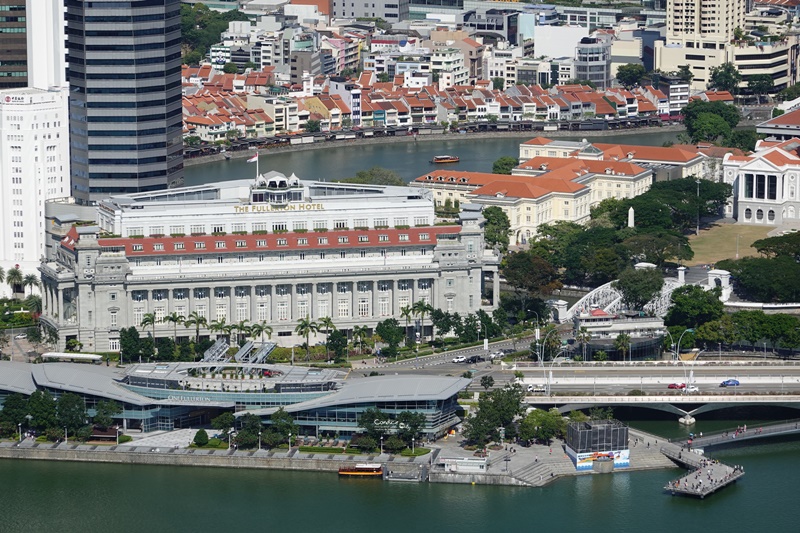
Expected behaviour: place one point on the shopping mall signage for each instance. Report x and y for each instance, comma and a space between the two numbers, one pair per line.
392, 424
267, 208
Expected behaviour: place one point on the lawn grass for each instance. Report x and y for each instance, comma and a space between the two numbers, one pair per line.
719, 242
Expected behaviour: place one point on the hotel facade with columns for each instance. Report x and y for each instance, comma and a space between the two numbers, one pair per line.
271, 251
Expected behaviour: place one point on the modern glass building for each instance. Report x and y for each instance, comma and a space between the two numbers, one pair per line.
125, 96
13, 44
161, 396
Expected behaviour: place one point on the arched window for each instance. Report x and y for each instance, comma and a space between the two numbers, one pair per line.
759, 215
771, 215
748, 213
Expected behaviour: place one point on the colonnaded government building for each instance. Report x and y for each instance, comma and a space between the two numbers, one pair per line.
271, 250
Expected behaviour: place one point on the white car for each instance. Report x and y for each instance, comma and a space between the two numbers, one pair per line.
459, 359
21, 336
691, 388
537, 388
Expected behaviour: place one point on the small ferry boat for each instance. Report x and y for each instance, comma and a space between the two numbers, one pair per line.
362, 469
445, 159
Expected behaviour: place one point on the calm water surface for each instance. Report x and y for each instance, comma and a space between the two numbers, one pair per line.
409, 160
72, 497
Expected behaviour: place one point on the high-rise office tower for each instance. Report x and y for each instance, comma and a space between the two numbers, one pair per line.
13, 45
124, 60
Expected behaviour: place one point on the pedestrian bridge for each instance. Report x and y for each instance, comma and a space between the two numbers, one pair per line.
749, 434
686, 405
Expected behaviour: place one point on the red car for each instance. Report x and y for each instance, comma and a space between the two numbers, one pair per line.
676, 386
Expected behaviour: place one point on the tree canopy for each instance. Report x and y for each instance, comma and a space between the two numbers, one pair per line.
201, 28
691, 306
497, 227
639, 286
630, 75
376, 176
504, 165
725, 77
496, 409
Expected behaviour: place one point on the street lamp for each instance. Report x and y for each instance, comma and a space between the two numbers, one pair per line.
381, 444
117, 435
671, 343
412, 445
765, 351
259, 440
19, 427
698, 206
65, 434
290, 441
544, 344
687, 330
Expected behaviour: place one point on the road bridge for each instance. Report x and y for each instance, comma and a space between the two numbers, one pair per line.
685, 406
742, 434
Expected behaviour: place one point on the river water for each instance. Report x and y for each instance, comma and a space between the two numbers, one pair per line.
409, 159
75, 497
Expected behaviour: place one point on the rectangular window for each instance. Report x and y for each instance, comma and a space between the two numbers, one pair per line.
158, 247
404, 301
363, 307
383, 306
202, 310
198, 230
222, 312
176, 230
450, 283
320, 224
113, 345
363, 238
180, 246
341, 288
381, 223
343, 240
403, 237
402, 221
112, 317
261, 243
283, 242
339, 224
263, 312
279, 226
241, 244
424, 237
241, 311
303, 241
403, 285
299, 225
360, 223
323, 309
383, 238
283, 311
160, 313
200, 293
322, 240
344, 308
424, 284
449, 304
138, 248
302, 308
219, 244
199, 246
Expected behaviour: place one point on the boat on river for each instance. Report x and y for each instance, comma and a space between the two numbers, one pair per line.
445, 159
362, 469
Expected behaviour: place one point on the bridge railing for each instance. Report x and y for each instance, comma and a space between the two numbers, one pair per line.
718, 437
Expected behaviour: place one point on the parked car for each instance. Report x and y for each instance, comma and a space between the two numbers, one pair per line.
21, 336
730, 383
679, 386
459, 359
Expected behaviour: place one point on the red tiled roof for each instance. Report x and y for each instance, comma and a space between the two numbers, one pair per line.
272, 241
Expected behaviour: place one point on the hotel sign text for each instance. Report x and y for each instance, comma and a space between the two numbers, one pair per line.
266, 208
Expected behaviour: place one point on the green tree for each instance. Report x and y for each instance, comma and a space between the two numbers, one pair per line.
487, 382
498, 84
422, 308
600, 356
409, 425
762, 279
685, 73
312, 126
42, 408
376, 176
760, 84
697, 107
497, 227
394, 444
504, 165
174, 319
337, 345
15, 279
374, 422
692, 306
129, 344
630, 75
326, 324
496, 409
223, 423
197, 320
282, 423
149, 319
383, 77
407, 312
33, 304
105, 412
230, 68
15, 409
390, 331
710, 127
542, 425
200, 438
638, 286
725, 77
743, 139
622, 343
30, 281
71, 412
658, 246
750, 325
305, 327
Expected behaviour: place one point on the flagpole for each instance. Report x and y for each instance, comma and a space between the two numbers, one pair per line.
256, 164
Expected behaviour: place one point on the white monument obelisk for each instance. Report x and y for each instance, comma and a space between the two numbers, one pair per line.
630, 217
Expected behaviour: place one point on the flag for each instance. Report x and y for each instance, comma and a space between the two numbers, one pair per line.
253, 159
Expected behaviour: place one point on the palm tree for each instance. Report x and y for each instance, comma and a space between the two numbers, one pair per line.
259, 329
33, 304
326, 324
407, 312
217, 326
197, 320
14, 279
422, 308
305, 327
360, 333
2, 274
243, 329
227, 329
583, 337
30, 280
622, 343
174, 319
149, 319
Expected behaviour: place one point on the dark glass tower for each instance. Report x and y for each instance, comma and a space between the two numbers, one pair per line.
124, 61
13, 44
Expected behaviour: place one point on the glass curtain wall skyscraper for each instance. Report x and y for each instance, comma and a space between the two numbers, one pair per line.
13, 47
124, 61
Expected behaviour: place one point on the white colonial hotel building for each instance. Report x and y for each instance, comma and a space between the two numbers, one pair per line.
273, 250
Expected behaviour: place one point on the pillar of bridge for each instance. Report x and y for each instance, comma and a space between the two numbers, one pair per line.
687, 420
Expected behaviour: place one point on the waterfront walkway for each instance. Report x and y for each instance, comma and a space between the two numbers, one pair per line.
708, 475
742, 434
